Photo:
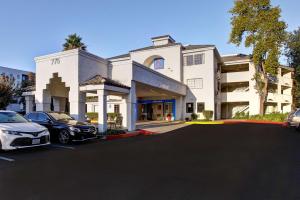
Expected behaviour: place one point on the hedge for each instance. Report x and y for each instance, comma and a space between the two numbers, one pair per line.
276, 117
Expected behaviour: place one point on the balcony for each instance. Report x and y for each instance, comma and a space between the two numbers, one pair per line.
282, 98
286, 82
235, 97
235, 77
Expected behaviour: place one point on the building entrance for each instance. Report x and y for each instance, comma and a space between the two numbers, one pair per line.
156, 110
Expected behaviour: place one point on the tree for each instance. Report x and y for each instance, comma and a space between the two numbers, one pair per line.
292, 52
258, 24
7, 90
73, 41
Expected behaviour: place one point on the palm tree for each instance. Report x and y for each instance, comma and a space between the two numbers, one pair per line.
73, 41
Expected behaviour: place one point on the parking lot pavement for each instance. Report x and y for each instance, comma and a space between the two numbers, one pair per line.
244, 161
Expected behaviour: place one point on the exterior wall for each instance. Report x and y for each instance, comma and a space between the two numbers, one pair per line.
19, 76
15, 73
71, 66
280, 101
171, 55
207, 72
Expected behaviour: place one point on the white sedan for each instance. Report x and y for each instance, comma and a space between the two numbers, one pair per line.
17, 132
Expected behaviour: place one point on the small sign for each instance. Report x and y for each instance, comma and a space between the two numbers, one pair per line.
55, 61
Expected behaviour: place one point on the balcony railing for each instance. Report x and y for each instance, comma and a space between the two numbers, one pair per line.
235, 96
235, 77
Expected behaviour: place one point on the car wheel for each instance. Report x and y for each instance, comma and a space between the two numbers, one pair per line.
64, 137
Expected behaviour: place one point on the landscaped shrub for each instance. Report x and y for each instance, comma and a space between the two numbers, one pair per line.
194, 116
208, 114
241, 115
92, 115
276, 117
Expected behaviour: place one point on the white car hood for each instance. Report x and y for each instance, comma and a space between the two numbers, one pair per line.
22, 127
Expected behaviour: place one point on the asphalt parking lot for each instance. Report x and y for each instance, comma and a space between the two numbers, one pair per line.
244, 161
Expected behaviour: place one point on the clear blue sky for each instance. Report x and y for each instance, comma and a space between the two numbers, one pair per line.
110, 27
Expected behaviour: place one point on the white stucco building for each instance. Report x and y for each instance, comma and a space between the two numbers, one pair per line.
19, 76
151, 83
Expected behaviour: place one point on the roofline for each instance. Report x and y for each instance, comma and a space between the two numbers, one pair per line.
16, 69
163, 36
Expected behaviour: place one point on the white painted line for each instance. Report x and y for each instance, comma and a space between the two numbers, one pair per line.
63, 147
6, 159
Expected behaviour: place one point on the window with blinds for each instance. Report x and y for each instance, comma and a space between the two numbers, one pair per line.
196, 83
196, 59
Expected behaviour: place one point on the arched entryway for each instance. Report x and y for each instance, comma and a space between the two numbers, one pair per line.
58, 94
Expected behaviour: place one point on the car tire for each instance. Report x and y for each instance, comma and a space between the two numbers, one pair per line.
64, 136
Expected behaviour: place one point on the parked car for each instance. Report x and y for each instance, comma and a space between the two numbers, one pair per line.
63, 128
17, 132
294, 119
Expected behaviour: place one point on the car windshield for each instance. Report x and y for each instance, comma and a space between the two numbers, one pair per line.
11, 117
60, 116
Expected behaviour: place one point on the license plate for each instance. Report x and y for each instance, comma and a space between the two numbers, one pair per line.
36, 141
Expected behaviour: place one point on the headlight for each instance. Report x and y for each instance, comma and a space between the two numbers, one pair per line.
11, 132
73, 129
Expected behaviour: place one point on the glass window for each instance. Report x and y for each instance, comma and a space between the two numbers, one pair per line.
196, 83
32, 116
188, 60
297, 113
159, 63
200, 107
189, 107
199, 59
116, 108
60, 116
42, 117
11, 117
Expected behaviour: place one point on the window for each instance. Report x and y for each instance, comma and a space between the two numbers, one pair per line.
32, 116
159, 63
189, 107
200, 107
188, 60
42, 117
196, 59
196, 83
199, 59
116, 108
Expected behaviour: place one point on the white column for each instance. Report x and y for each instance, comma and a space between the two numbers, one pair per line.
102, 110
56, 104
179, 108
131, 111
77, 104
29, 103
43, 100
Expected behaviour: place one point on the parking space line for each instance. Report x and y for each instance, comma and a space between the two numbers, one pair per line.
63, 147
6, 159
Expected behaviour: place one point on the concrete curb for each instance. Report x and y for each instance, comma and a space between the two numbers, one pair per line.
130, 134
238, 122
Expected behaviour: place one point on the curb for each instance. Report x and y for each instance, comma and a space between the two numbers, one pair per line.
130, 134
206, 122
238, 122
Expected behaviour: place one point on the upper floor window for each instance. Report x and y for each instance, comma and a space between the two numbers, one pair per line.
159, 63
196, 59
196, 83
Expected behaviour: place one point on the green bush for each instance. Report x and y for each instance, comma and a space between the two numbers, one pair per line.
241, 115
194, 116
208, 114
276, 117
92, 115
